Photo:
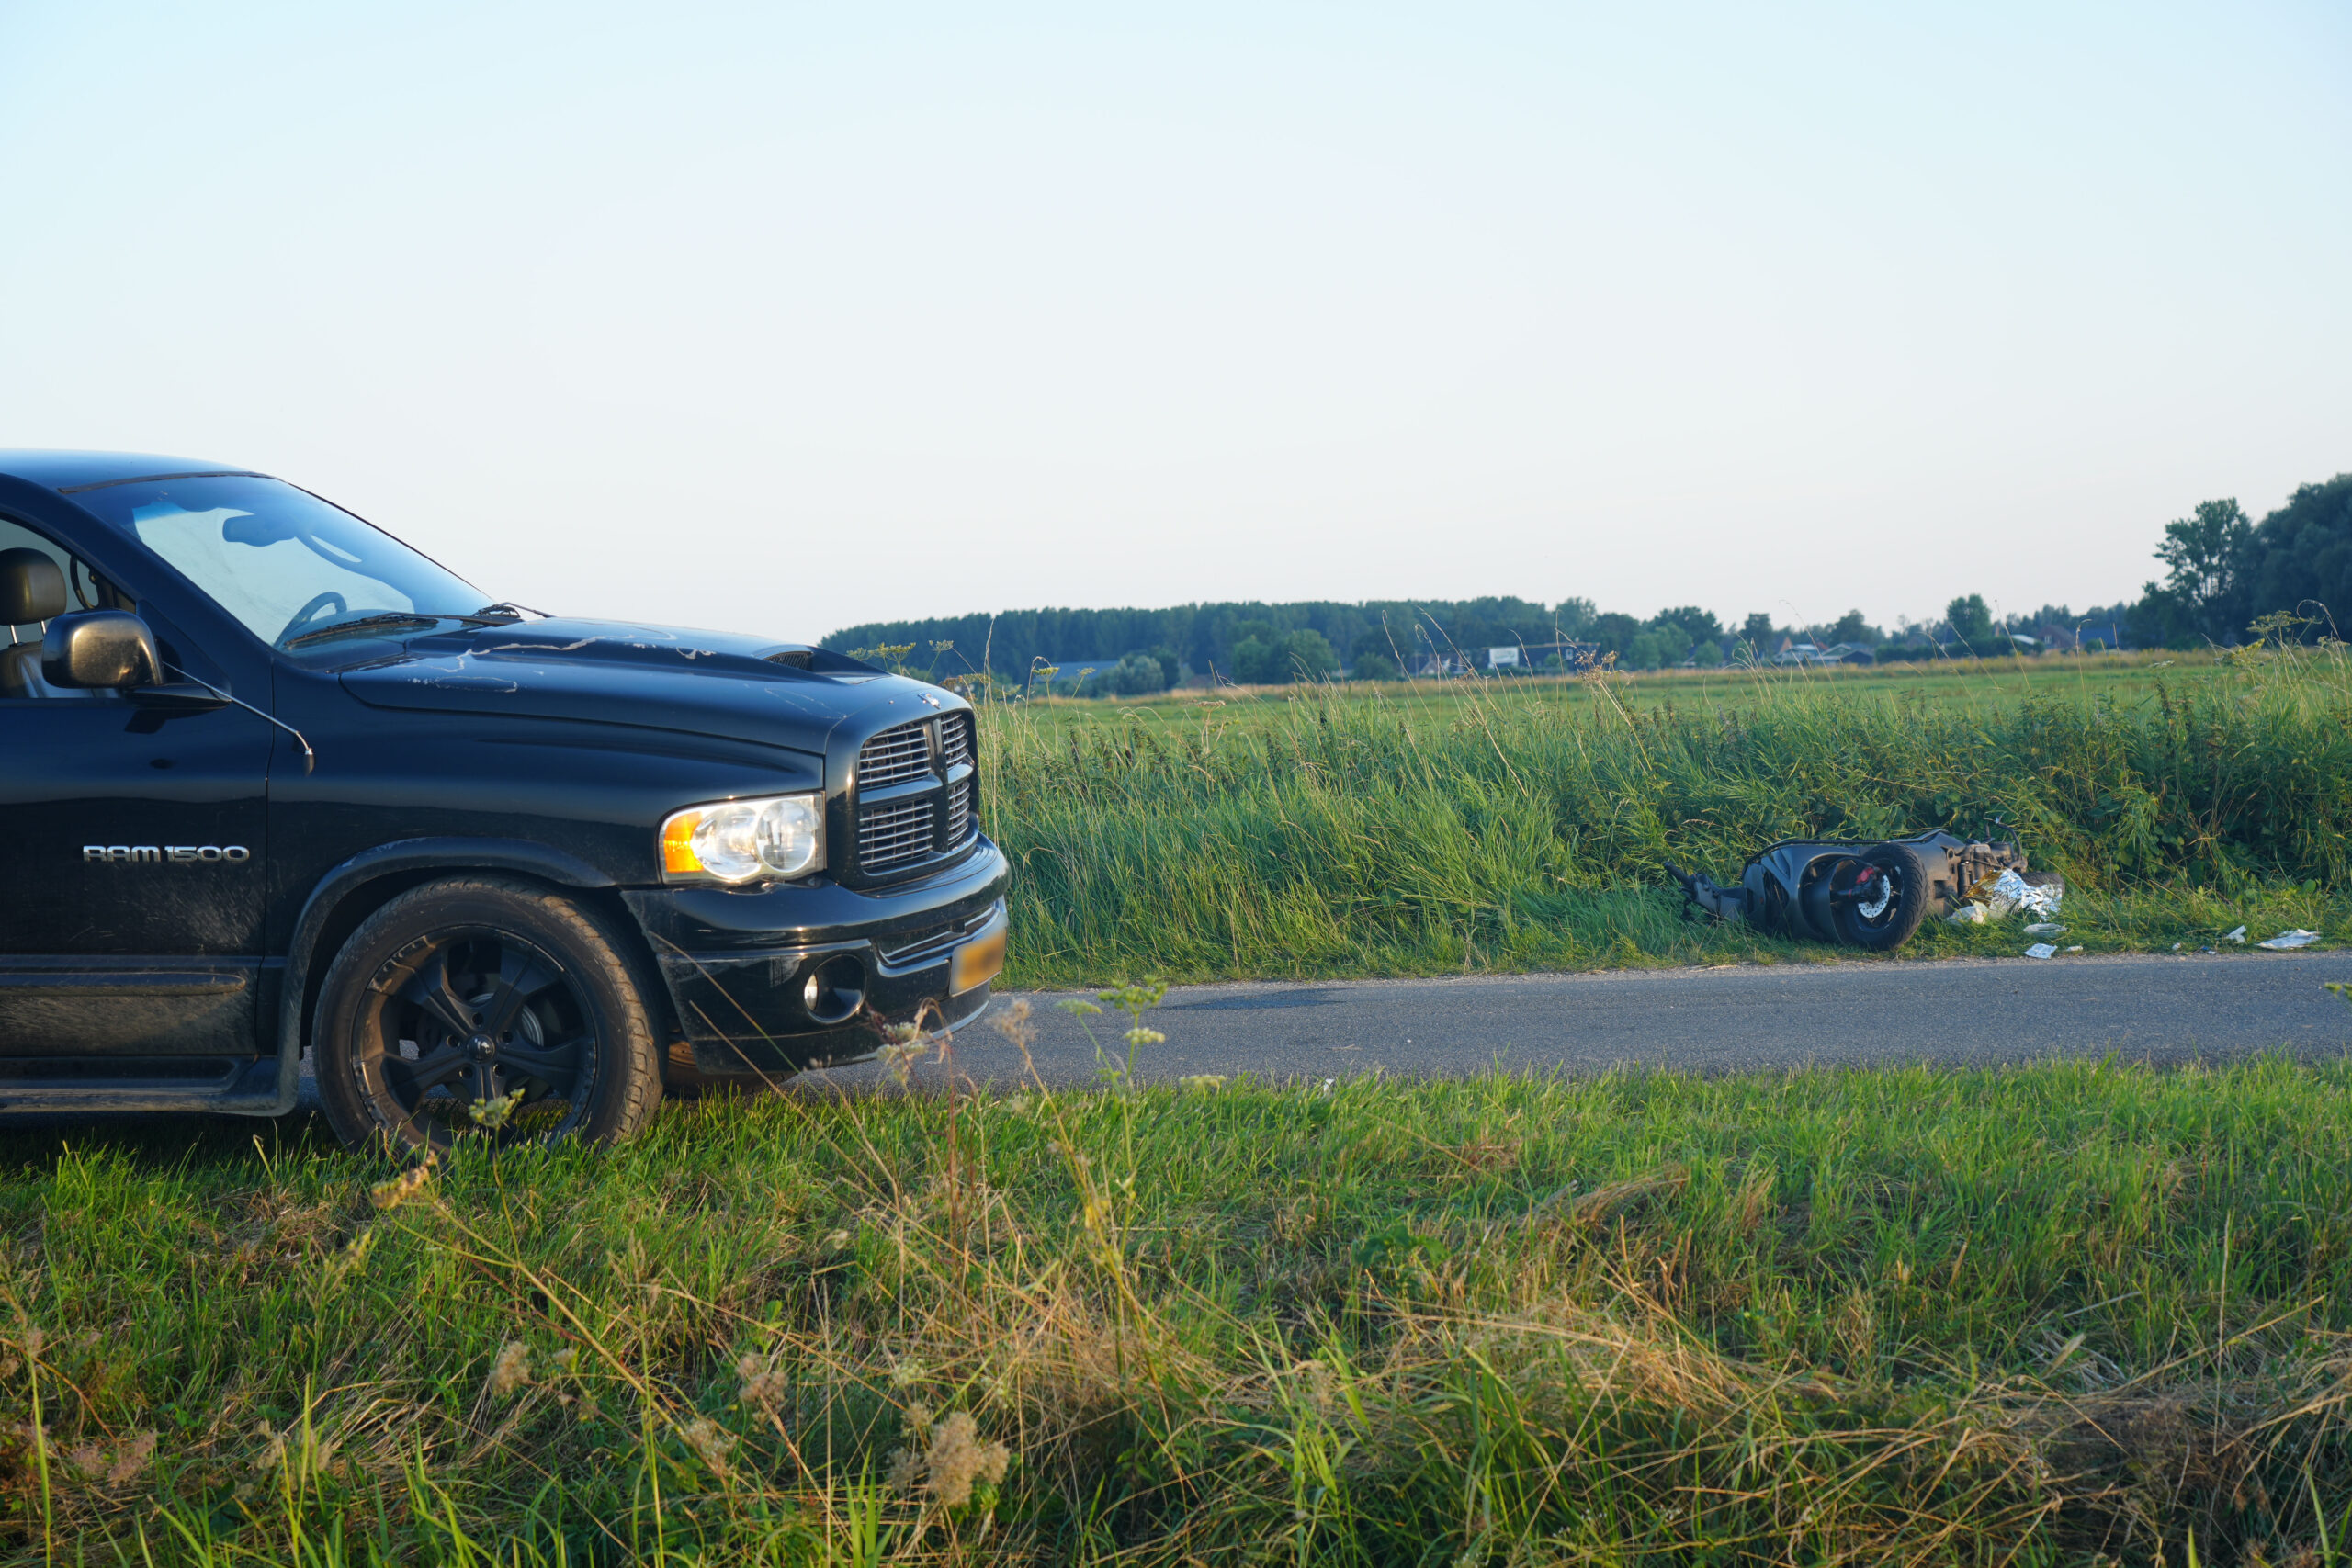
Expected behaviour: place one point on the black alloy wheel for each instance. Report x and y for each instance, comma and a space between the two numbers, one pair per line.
483, 1006
476, 1015
1878, 899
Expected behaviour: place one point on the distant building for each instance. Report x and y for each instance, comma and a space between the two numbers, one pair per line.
1573, 656
1801, 653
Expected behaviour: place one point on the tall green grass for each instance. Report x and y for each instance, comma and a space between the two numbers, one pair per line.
2074, 1314
1354, 836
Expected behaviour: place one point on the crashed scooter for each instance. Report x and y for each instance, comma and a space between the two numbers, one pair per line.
1871, 894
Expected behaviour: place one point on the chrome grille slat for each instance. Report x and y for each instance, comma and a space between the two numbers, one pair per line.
894, 833
895, 755
935, 824
959, 812
955, 737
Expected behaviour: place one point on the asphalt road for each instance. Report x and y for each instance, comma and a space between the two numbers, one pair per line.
1953, 1012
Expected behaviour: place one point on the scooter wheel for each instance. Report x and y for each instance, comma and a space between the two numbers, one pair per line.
1878, 899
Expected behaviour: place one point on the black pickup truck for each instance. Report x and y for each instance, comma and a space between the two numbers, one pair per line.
276, 783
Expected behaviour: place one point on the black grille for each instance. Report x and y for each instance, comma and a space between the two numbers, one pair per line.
924, 772
894, 833
956, 738
895, 756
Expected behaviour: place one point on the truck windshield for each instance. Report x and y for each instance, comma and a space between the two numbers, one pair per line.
281, 561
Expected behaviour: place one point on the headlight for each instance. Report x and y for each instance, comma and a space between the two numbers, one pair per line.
739, 840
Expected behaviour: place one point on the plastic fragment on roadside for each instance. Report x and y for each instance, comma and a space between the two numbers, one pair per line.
2237, 936
2045, 928
2040, 949
2284, 939
1966, 915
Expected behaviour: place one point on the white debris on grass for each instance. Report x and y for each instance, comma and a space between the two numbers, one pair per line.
2284, 939
2014, 892
2005, 896
2237, 936
2040, 949
2045, 928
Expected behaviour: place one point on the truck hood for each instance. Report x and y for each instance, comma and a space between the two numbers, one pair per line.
697, 682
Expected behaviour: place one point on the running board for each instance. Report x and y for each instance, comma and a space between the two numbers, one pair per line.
243, 1086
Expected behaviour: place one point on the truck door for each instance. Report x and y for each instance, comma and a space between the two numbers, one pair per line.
131, 844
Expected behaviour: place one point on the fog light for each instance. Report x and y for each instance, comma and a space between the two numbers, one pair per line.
836, 990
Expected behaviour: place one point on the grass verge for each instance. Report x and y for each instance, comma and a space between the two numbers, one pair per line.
2066, 1314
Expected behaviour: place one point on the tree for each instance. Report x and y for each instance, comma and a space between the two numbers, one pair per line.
1700, 626
1648, 652
1574, 617
1171, 668
1971, 623
1851, 627
2304, 557
1371, 666
1614, 633
1709, 654
1308, 656
2208, 558
1257, 662
1757, 632
1137, 675
1252, 630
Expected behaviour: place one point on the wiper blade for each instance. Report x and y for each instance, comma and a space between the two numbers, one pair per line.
370, 623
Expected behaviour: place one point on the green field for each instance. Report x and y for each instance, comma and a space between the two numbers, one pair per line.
1971, 685
1430, 828
2080, 1313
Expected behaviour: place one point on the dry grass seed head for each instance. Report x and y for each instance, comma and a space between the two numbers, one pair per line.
511, 1369
710, 1442
955, 1458
762, 1387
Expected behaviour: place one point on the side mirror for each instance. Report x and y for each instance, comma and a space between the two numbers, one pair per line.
101, 650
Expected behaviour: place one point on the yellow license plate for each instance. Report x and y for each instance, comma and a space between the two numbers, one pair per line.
976, 962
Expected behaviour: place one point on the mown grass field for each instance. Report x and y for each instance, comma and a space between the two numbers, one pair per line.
2085, 1313
1526, 824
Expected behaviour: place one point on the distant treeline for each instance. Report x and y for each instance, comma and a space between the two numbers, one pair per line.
1200, 637
2223, 571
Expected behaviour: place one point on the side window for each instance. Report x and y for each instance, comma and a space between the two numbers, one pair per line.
38, 582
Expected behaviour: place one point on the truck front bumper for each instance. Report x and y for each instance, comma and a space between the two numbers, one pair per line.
807, 974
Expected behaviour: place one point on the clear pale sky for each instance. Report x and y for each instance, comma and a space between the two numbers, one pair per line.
783, 317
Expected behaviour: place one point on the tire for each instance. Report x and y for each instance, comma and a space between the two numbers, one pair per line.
472, 989
1880, 917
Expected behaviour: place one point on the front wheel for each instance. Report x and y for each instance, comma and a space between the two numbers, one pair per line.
480, 1005
1880, 897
